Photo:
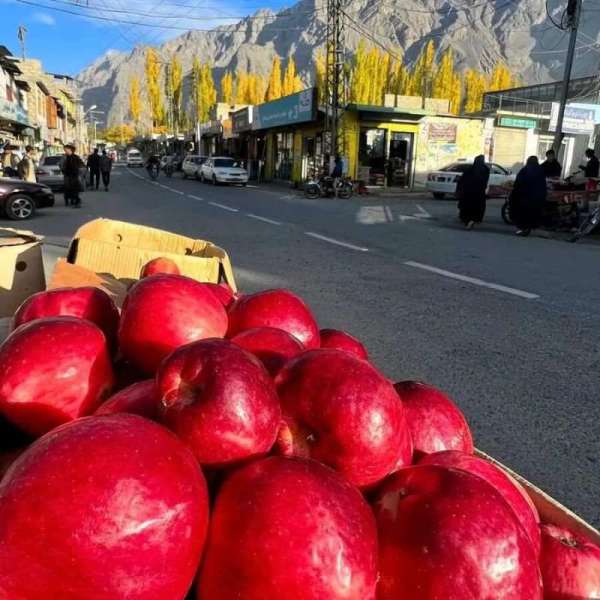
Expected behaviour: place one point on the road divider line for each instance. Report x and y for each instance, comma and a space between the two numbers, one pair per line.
473, 280
324, 238
164, 187
195, 197
224, 207
176, 191
263, 219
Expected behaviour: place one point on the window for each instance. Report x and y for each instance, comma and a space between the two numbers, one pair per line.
50, 161
497, 170
457, 167
225, 163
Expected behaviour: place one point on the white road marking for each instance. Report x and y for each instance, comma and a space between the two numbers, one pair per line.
324, 238
422, 214
165, 187
263, 219
223, 206
176, 191
195, 197
473, 280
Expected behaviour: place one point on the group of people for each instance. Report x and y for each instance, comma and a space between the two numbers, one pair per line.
15, 166
528, 195
99, 165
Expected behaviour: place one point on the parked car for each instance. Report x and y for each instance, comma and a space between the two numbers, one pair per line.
48, 172
20, 199
442, 183
221, 169
191, 165
134, 158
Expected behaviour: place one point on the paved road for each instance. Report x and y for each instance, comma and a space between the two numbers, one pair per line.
508, 326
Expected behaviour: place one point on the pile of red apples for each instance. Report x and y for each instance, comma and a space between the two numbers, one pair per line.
202, 444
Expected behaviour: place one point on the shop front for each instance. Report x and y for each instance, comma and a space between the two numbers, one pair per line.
283, 123
211, 138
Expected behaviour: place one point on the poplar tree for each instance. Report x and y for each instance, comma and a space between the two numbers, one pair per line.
227, 88
135, 100
175, 85
291, 82
274, 86
475, 85
153, 77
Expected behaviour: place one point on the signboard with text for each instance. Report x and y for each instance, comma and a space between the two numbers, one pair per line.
442, 132
297, 108
11, 111
518, 123
242, 119
576, 121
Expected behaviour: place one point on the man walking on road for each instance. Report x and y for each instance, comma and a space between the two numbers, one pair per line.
93, 164
71, 167
105, 169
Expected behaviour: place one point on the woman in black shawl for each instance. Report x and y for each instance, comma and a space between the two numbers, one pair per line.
528, 197
471, 190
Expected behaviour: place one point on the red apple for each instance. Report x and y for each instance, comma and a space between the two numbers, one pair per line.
103, 507
435, 422
219, 400
223, 292
445, 533
340, 340
289, 528
89, 303
501, 481
7, 458
274, 308
139, 398
53, 370
274, 347
160, 265
341, 411
163, 312
570, 565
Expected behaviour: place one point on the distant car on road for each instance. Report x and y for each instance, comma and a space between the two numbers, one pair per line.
134, 158
49, 173
20, 199
191, 165
221, 169
442, 183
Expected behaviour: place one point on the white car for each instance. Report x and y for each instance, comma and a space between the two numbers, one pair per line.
191, 165
134, 158
442, 183
221, 169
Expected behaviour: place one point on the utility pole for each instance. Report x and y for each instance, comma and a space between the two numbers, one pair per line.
22, 34
335, 88
573, 15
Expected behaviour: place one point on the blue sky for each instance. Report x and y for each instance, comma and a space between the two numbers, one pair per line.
67, 43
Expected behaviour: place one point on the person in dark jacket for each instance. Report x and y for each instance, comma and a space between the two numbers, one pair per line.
71, 167
528, 197
552, 168
105, 169
592, 167
93, 164
471, 190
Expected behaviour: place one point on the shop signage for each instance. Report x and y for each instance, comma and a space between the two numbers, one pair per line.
242, 120
442, 132
10, 111
518, 123
577, 120
297, 108
211, 128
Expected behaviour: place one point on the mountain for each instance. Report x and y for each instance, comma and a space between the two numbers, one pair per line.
481, 32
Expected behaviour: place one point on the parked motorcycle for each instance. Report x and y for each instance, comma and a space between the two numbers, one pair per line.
327, 187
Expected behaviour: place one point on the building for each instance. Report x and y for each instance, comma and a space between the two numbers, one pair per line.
525, 119
15, 126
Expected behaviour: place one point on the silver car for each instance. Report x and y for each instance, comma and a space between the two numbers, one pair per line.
48, 172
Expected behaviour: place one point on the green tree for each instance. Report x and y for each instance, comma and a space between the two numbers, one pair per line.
153, 78
227, 88
274, 85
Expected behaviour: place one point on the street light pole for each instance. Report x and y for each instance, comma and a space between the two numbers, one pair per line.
574, 14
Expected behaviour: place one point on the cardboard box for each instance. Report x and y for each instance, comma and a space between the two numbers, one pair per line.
120, 250
21, 268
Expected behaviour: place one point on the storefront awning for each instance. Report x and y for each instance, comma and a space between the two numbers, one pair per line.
387, 113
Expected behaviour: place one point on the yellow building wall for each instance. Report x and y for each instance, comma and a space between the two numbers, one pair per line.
432, 155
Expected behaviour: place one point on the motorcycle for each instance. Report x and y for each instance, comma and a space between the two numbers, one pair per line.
327, 187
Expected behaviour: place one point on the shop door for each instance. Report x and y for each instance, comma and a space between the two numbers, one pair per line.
400, 158
510, 147
371, 156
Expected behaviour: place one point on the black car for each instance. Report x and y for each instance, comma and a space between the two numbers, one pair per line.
20, 199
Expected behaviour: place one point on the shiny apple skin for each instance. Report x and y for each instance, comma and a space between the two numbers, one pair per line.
342, 340
139, 398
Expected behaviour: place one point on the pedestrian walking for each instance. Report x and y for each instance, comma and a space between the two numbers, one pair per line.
93, 164
471, 192
105, 169
10, 162
551, 167
591, 170
71, 167
27, 166
528, 197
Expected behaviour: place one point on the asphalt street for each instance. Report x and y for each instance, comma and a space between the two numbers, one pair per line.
507, 326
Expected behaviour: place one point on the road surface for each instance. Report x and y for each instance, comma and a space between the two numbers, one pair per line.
507, 326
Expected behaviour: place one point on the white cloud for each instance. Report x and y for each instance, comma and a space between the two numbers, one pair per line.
44, 18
